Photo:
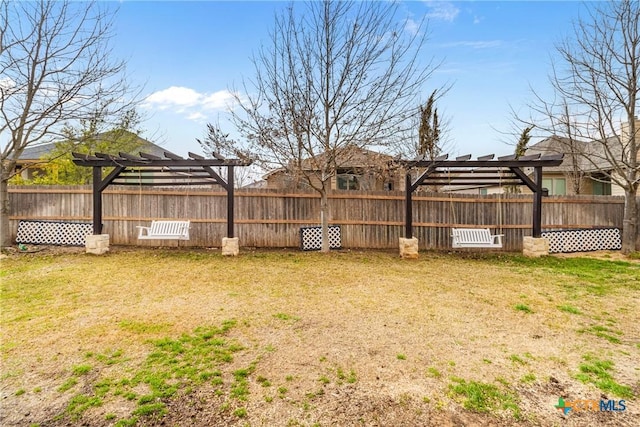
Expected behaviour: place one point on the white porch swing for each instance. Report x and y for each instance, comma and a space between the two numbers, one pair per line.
163, 229
477, 237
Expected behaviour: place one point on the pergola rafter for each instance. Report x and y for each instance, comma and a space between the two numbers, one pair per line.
150, 170
484, 171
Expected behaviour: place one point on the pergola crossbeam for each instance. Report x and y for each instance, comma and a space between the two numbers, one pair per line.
149, 156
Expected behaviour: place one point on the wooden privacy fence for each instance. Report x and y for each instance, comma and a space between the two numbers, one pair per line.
272, 218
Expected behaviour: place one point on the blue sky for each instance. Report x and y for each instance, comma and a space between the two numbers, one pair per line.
188, 55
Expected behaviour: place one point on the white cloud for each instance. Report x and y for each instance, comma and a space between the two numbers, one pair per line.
7, 83
192, 104
196, 117
443, 10
411, 26
172, 97
218, 100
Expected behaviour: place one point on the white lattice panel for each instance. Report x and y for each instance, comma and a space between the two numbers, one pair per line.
588, 240
311, 238
53, 233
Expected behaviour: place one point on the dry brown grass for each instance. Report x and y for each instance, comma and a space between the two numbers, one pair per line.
355, 338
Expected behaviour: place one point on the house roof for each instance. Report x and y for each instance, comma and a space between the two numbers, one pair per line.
37, 152
352, 156
586, 156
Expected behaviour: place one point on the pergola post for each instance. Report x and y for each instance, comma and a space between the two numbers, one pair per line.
97, 200
408, 225
537, 203
230, 200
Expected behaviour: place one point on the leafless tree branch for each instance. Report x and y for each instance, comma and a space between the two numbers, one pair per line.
57, 69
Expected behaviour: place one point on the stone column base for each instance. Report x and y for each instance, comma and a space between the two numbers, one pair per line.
97, 244
535, 246
230, 246
409, 248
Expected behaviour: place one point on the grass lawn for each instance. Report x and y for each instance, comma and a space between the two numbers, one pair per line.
286, 338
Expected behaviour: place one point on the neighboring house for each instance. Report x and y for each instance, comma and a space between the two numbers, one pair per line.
31, 158
576, 174
358, 169
584, 170
34, 158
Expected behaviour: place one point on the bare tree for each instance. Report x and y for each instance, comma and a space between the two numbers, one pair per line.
596, 99
56, 71
337, 77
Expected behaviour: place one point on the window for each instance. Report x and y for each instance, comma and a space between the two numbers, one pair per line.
601, 188
556, 186
348, 182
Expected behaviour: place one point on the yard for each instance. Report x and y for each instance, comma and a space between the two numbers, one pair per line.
285, 338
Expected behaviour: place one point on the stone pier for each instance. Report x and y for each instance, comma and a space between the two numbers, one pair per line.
535, 246
97, 244
230, 246
409, 248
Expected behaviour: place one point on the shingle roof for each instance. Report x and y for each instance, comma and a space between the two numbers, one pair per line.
348, 157
37, 152
587, 156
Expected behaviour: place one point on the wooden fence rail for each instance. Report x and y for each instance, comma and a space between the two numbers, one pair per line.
272, 218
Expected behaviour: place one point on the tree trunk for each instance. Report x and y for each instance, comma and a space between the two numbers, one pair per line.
5, 235
630, 221
324, 219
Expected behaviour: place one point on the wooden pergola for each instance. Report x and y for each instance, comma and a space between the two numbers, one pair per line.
484, 171
150, 170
